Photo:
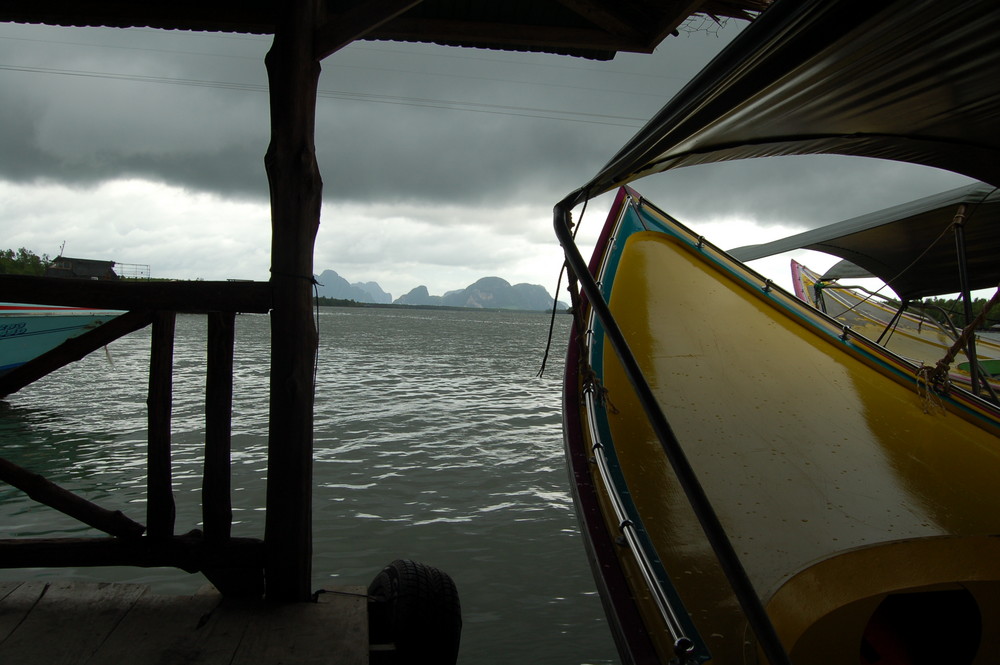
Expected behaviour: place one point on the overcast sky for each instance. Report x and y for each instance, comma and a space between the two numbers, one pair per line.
440, 165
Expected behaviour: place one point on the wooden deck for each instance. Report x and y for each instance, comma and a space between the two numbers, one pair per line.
65, 623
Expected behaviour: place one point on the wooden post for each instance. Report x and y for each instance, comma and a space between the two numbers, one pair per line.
296, 194
160, 509
217, 506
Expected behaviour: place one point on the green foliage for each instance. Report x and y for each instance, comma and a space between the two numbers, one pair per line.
955, 309
336, 302
22, 262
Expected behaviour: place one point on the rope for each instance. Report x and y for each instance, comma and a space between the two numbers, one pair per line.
941, 367
555, 300
315, 284
927, 390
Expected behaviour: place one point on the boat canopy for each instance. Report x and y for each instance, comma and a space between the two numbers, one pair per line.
911, 247
916, 81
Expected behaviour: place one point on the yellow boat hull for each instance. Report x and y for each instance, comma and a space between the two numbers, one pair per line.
839, 481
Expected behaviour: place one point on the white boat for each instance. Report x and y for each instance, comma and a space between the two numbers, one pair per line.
28, 331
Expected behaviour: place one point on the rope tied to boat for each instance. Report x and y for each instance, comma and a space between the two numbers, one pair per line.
930, 389
592, 383
941, 368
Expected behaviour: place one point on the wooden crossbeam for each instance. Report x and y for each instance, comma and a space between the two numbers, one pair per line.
54, 496
189, 552
340, 31
194, 297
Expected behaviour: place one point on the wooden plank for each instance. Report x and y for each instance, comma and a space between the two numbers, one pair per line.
332, 630
16, 601
77, 624
69, 623
169, 630
187, 297
160, 508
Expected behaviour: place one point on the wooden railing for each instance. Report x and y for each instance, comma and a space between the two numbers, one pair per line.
234, 565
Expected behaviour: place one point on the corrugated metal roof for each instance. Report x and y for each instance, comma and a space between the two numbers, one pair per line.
589, 28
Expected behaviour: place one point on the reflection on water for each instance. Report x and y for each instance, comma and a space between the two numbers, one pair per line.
433, 441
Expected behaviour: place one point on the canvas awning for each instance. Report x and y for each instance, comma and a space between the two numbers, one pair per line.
911, 247
907, 80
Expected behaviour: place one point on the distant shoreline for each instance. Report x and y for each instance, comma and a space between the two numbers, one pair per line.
336, 302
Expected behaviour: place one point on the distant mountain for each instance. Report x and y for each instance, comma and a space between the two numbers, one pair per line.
488, 292
375, 291
332, 285
418, 296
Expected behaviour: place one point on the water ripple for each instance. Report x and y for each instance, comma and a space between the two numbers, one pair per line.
433, 440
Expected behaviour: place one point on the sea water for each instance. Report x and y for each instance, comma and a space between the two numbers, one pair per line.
434, 441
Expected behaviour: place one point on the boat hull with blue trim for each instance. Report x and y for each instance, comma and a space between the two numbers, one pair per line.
28, 331
858, 492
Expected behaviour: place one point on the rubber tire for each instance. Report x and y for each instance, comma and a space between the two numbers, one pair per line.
415, 607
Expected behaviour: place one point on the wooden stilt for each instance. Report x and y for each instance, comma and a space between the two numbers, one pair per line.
160, 509
217, 507
296, 193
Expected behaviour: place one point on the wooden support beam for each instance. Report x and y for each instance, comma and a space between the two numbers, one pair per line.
189, 552
160, 509
217, 508
296, 195
184, 297
358, 22
54, 496
614, 19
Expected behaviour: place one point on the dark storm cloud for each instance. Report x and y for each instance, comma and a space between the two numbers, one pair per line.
395, 123
232, 168
84, 106
22, 160
445, 155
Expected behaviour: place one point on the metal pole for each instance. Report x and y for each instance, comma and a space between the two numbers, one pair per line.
963, 278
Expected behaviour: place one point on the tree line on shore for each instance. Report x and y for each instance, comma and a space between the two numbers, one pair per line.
22, 262
942, 309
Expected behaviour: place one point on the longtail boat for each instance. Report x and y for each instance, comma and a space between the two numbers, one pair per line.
911, 334
755, 482
28, 331
939, 244
862, 502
